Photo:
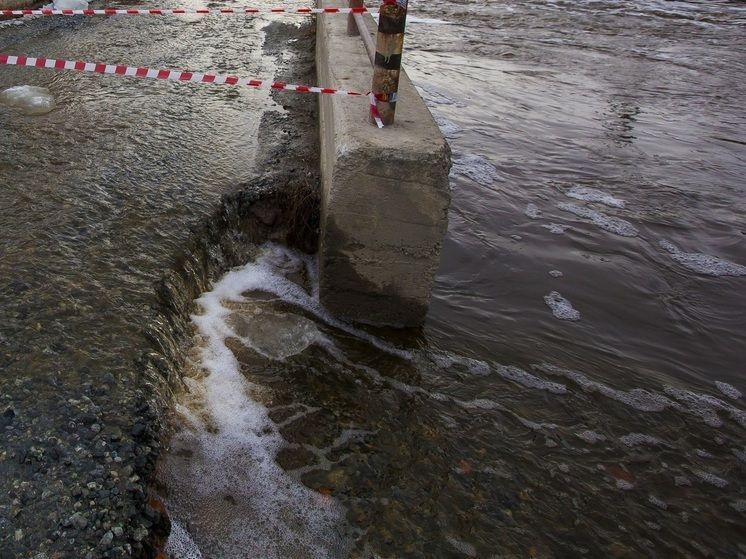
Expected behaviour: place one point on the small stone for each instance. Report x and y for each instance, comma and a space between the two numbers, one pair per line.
118, 531
18, 535
96, 428
138, 429
140, 534
107, 539
78, 521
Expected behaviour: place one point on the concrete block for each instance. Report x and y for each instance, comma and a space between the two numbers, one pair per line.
385, 193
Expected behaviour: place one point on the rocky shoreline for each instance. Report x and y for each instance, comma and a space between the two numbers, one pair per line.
77, 458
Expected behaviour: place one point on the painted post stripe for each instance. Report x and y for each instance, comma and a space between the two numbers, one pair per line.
182, 11
100, 68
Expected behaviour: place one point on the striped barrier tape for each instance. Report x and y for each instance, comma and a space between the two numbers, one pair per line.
175, 75
184, 11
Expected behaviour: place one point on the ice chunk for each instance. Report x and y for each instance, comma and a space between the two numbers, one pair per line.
592, 195
70, 5
703, 263
30, 99
276, 335
561, 307
605, 222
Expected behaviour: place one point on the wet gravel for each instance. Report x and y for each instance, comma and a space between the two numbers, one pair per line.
78, 442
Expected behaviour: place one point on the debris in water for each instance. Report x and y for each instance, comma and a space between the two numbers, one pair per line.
592, 195
703, 263
556, 273
561, 307
31, 100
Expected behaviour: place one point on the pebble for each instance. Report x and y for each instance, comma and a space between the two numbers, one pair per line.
107, 539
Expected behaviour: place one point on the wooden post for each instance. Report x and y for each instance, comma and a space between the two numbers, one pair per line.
392, 20
351, 23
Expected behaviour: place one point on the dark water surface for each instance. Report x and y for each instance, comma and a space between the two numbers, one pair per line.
596, 413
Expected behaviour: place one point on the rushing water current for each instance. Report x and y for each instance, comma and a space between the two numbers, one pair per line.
577, 388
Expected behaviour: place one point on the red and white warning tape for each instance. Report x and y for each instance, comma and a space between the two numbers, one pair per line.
183, 11
175, 75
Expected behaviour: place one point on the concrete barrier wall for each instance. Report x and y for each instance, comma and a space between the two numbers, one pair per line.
385, 192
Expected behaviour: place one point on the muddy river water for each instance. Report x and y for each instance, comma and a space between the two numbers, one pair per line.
577, 388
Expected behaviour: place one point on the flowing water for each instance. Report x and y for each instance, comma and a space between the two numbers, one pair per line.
576, 389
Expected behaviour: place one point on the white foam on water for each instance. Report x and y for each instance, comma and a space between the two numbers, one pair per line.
561, 307
477, 168
449, 128
180, 543
682, 481
463, 547
637, 398
711, 478
591, 437
703, 263
473, 366
556, 273
739, 505
608, 223
31, 100
556, 228
592, 195
729, 390
245, 504
705, 406
639, 439
624, 485
532, 211
528, 380
652, 499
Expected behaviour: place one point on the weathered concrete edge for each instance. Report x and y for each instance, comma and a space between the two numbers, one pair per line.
385, 193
